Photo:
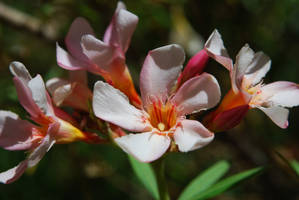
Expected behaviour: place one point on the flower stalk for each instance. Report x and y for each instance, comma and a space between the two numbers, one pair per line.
159, 168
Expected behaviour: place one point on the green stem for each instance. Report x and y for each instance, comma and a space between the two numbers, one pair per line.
159, 168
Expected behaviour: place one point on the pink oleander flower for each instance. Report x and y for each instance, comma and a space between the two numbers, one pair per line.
162, 117
107, 57
248, 89
73, 92
51, 124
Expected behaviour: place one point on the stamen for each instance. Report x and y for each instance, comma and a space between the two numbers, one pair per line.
161, 126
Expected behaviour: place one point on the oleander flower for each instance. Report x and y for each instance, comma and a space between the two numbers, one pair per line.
107, 57
73, 92
51, 124
248, 89
163, 116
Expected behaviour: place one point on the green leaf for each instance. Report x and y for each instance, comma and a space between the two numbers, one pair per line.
204, 180
227, 183
146, 175
295, 165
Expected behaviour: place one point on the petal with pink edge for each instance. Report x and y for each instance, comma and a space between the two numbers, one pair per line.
97, 51
13, 174
257, 69
277, 114
192, 135
19, 70
15, 134
281, 93
66, 61
113, 106
145, 147
215, 48
78, 28
160, 72
198, 93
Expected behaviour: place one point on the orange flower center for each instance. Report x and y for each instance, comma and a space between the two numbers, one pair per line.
162, 116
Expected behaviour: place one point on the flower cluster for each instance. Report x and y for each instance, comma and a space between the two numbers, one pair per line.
145, 126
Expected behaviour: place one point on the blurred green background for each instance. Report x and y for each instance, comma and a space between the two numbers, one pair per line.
81, 171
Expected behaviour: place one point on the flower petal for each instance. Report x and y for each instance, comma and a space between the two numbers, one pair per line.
201, 92
215, 48
15, 134
192, 135
257, 69
55, 83
160, 72
19, 70
113, 106
13, 174
243, 61
145, 147
97, 51
280, 93
78, 28
277, 114
39, 95
66, 61
79, 76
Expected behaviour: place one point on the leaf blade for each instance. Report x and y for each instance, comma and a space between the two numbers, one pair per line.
205, 179
146, 176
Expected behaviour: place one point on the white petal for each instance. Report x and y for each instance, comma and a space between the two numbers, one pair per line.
277, 114
39, 95
281, 93
55, 83
145, 147
192, 135
257, 69
97, 51
113, 106
200, 92
13, 174
160, 71
215, 48
20, 71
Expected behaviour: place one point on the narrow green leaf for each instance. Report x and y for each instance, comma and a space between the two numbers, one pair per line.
227, 183
146, 175
295, 165
204, 180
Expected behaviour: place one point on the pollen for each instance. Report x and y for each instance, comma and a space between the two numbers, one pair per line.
161, 126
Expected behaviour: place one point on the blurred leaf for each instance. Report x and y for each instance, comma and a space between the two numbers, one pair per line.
295, 165
204, 180
227, 183
146, 175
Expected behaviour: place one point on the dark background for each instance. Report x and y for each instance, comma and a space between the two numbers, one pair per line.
81, 171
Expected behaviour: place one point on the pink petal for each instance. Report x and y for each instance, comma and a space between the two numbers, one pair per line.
97, 51
281, 93
13, 174
257, 69
277, 114
145, 147
215, 48
192, 135
113, 106
160, 72
201, 92
39, 95
66, 61
78, 28
15, 134
107, 35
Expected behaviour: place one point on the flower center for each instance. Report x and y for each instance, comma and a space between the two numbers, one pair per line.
162, 116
